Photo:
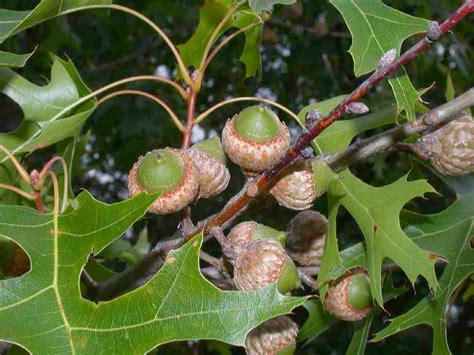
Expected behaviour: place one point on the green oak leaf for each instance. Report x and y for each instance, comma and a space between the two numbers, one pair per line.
361, 333
12, 60
13, 22
448, 234
45, 312
211, 13
317, 323
44, 107
377, 28
376, 210
262, 5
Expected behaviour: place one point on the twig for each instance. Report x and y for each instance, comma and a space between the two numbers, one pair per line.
366, 148
188, 130
307, 279
211, 260
173, 116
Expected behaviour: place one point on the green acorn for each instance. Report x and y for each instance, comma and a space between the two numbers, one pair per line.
210, 160
450, 148
276, 336
306, 235
263, 262
255, 139
350, 298
244, 233
169, 172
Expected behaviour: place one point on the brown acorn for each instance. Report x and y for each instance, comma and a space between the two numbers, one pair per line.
210, 160
350, 298
244, 233
263, 262
275, 336
450, 148
169, 172
306, 234
297, 189
255, 139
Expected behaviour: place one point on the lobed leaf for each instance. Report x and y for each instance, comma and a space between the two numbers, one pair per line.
43, 123
448, 234
377, 28
45, 312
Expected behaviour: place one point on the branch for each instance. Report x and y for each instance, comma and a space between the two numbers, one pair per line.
146, 268
366, 148
263, 182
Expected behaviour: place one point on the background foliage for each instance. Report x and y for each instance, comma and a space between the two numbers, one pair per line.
305, 60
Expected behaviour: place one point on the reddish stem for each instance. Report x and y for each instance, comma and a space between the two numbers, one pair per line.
263, 182
39, 202
188, 130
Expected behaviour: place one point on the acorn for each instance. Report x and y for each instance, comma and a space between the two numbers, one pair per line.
244, 233
350, 298
306, 234
263, 262
210, 161
450, 148
297, 189
275, 336
255, 139
169, 172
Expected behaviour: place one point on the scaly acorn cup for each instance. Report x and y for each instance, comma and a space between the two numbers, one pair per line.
305, 235
350, 298
244, 233
255, 139
297, 189
262, 263
210, 160
169, 172
450, 148
275, 336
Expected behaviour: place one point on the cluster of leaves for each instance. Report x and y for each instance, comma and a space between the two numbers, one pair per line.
44, 308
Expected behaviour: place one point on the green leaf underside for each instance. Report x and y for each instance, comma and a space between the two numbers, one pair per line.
448, 234
261, 5
12, 60
377, 28
12, 22
376, 210
43, 124
46, 314
211, 13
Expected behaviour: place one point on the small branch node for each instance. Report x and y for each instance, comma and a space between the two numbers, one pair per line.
387, 59
433, 32
357, 108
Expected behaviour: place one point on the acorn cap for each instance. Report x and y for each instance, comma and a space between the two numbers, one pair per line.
262, 263
169, 172
306, 234
450, 148
212, 147
242, 234
275, 336
255, 139
210, 161
350, 298
295, 189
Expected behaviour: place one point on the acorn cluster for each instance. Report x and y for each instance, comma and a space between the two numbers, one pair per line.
260, 256
255, 139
